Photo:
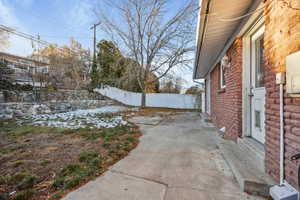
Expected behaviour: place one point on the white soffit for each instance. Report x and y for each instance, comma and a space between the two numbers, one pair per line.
215, 33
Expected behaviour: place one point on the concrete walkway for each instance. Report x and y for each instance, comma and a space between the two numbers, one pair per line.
177, 159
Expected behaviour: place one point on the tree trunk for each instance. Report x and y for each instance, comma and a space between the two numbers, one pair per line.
143, 100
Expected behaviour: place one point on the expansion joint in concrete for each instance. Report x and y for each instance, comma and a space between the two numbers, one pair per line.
138, 177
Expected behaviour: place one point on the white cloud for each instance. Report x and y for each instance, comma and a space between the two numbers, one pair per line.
17, 44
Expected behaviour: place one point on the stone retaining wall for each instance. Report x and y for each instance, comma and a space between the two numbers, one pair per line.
44, 96
21, 103
13, 110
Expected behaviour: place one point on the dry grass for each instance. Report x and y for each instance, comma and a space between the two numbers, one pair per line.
46, 163
42, 162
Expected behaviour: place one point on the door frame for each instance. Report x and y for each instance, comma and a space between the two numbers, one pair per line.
252, 28
208, 94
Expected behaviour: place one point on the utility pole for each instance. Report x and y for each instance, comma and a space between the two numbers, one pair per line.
34, 71
94, 65
95, 29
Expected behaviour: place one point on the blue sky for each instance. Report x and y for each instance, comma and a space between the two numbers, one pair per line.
55, 20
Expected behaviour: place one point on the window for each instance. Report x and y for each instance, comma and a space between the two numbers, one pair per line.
259, 65
257, 119
222, 76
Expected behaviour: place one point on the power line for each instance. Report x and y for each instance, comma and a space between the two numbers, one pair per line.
31, 37
76, 37
239, 17
24, 35
235, 18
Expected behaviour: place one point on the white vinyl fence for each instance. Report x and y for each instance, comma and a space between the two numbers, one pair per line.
162, 100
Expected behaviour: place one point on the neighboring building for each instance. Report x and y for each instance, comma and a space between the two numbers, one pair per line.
26, 70
242, 47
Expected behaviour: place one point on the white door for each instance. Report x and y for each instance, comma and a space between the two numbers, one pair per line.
258, 91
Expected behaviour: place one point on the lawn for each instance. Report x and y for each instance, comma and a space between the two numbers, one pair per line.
47, 156
44, 158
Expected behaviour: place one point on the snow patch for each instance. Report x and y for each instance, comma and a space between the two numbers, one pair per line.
90, 118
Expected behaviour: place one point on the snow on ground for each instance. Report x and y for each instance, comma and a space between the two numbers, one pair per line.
91, 118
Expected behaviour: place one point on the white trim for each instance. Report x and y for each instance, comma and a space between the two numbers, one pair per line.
259, 31
256, 23
222, 73
208, 94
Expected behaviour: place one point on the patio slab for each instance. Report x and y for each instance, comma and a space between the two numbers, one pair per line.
176, 159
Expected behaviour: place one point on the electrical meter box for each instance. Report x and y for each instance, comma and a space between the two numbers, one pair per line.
293, 74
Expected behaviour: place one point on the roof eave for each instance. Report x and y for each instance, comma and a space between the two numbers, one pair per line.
203, 17
201, 37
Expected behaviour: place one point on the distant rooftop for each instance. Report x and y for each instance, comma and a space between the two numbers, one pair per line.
15, 57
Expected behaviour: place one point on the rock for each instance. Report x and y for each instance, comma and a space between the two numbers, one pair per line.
6, 113
2, 98
39, 109
18, 113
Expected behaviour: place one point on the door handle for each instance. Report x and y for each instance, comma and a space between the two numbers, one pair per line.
250, 93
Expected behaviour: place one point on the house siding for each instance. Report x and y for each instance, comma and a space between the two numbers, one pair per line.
282, 38
226, 104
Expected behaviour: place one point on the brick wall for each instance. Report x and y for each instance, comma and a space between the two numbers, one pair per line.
282, 37
226, 104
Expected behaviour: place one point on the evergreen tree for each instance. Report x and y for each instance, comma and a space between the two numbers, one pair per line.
116, 70
94, 75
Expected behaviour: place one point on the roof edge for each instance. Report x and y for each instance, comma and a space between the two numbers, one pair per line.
201, 36
236, 33
201, 27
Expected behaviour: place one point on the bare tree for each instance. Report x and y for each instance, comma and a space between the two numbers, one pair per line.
69, 65
147, 33
171, 84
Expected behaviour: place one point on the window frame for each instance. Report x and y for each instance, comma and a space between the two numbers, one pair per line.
255, 49
222, 77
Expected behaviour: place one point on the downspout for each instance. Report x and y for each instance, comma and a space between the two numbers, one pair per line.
283, 190
280, 80
281, 132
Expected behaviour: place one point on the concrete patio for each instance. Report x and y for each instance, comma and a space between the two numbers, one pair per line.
178, 158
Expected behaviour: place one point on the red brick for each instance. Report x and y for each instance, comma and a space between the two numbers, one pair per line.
281, 27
